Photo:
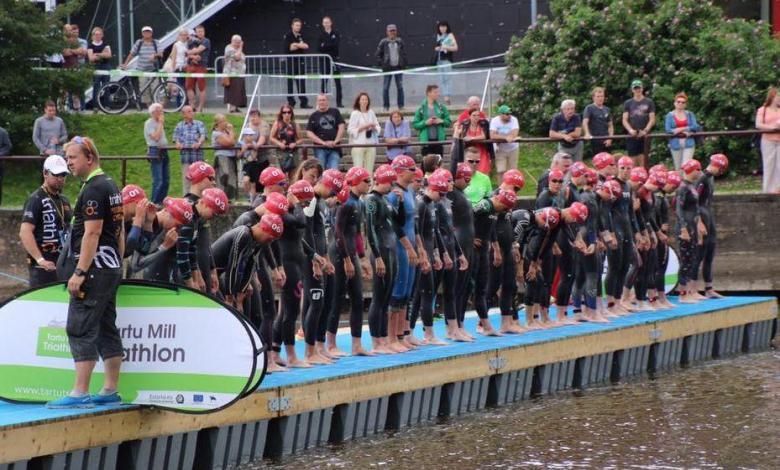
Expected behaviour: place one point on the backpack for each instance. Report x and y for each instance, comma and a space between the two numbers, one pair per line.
137, 49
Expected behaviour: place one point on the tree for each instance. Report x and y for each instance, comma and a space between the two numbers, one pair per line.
724, 65
27, 36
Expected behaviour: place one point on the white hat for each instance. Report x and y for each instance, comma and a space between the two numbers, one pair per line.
55, 165
147, 28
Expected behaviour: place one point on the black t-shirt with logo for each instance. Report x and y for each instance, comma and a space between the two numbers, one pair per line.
325, 123
99, 199
50, 214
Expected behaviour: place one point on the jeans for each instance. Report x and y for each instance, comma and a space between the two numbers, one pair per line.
445, 67
329, 158
399, 86
161, 179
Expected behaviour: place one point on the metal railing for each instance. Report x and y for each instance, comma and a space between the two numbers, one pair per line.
274, 67
521, 140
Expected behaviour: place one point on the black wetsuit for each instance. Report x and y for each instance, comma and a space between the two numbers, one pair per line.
428, 230
485, 231
503, 277
537, 243
662, 251
621, 259
686, 205
586, 266
315, 236
448, 277
463, 223
295, 253
349, 221
568, 196
706, 189
646, 277
155, 262
548, 261
384, 227
235, 254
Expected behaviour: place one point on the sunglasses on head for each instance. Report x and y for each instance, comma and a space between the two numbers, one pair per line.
79, 140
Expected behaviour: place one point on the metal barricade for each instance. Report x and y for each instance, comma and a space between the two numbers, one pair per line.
274, 69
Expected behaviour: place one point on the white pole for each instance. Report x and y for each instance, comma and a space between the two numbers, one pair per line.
251, 103
484, 89
534, 11
119, 42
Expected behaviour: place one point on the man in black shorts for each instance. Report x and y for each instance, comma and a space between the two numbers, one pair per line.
638, 120
97, 242
45, 222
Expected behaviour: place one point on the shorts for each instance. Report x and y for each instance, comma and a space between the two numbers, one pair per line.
190, 82
506, 160
635, 147
252, 171
91, 324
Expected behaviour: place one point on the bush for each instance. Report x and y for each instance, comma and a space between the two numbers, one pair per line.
724, 65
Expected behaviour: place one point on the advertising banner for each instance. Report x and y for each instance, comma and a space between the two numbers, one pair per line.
182, 350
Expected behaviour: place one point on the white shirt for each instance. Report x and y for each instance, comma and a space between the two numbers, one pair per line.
358, 119
181, 54
503, 129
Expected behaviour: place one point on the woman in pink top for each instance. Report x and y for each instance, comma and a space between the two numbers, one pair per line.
768, 118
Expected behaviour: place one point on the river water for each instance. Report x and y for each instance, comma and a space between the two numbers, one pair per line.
721, 414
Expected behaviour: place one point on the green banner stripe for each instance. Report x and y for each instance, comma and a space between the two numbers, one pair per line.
132, 296
46, 383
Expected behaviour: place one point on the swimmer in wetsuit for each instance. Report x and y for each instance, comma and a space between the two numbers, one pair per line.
687, 211
463, 224
157, 261
718, 165
673, 181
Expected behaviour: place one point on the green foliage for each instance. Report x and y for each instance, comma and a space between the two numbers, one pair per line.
724, 65
27, 36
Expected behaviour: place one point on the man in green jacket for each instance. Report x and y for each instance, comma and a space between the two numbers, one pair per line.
432, 120
480, 185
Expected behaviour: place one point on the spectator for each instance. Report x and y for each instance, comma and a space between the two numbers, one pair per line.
363, 128
250, 170
681, 123
474, 102
329, 42
638, 119
260, 139
596, 122
475, 129
560, 161
198, 59
235, 62
74, 54
156, 141
768, 119
326, 128
430, 163
5, 150
148, 51
286, 136
567, 126
99, 56
188, 136
46, 218
505, 127
446, 46
223, 139
397, 134
391, 56
431, 120
177, 60
294, 44
49, 131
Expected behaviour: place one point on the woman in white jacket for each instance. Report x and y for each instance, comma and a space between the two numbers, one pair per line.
363, 128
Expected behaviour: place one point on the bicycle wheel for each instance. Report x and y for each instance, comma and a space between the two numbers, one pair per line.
113, 98
170, 95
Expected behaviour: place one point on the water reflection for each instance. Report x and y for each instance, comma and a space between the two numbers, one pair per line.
722, 414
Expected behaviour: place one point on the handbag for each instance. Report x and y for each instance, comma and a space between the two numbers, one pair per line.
225, 82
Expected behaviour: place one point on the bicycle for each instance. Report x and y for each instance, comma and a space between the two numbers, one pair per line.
116, 97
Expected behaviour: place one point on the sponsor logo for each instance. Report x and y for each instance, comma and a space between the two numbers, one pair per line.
53, 342
198, 398
180, 398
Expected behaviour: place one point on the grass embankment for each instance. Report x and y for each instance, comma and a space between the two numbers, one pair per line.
123, 135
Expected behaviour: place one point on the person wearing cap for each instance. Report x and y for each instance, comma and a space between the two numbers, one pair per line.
688, 225
45, 223
193, 249
138, 214
431, 121
157, 261
189, 136
349, 261
596, 122
638, 120
505, 127
49, 131
97, 243
705, 186
567, 126
391, 57
384, 227
294, 44
156, 141
406, 252
149, 53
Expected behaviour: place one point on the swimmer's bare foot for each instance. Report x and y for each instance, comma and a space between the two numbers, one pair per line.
712, 294
274, 367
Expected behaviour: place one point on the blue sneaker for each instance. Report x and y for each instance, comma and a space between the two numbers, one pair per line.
111, 399
71, 402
